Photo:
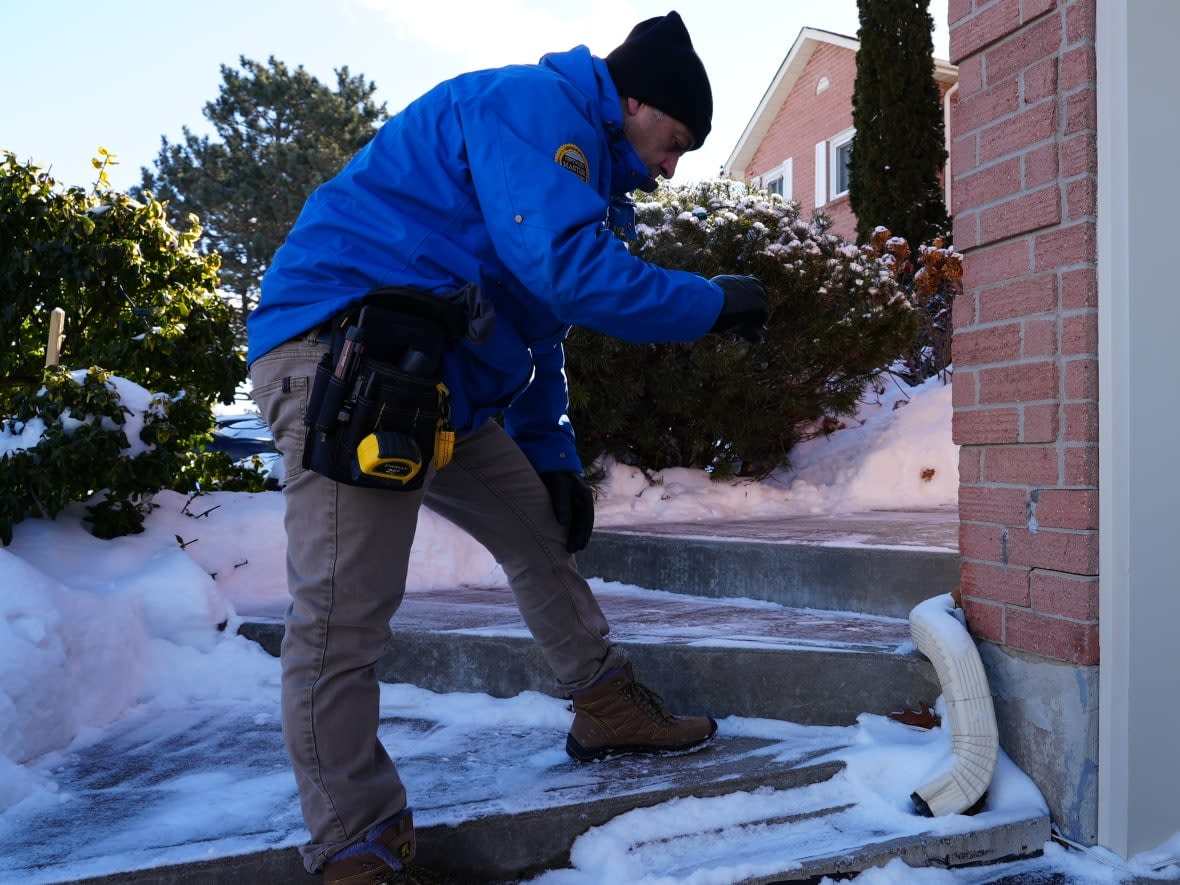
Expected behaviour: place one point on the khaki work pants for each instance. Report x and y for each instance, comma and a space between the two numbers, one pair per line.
348, 550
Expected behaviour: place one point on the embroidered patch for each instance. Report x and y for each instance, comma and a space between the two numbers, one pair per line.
571, 157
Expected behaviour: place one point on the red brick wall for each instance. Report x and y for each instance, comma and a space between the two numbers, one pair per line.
1024, 171
806, 118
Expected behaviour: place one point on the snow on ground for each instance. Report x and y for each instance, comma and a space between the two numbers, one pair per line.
99, 639
896, 453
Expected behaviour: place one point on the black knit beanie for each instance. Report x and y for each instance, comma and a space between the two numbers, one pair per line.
657, 65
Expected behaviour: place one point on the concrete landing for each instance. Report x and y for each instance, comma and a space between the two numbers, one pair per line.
878, 562
720, 656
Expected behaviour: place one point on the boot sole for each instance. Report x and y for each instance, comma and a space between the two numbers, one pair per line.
582, 754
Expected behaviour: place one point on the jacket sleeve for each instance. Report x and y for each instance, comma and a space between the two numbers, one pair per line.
547, 224
539, 419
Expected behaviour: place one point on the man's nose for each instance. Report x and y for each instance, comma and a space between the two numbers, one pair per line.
668, 167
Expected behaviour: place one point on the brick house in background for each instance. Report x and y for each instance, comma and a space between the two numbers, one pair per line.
1064, 197
799, 139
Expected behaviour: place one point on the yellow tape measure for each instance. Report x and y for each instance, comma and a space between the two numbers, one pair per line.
389, 455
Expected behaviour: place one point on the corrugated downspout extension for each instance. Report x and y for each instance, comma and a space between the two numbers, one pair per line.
940, 634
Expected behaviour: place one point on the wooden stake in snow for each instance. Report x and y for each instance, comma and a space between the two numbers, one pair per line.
57, 334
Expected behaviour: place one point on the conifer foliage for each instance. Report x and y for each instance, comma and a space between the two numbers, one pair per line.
899, 148
278, 134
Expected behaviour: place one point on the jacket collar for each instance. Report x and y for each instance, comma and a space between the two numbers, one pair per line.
590, 74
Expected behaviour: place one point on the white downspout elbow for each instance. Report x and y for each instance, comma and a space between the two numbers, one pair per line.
940, 634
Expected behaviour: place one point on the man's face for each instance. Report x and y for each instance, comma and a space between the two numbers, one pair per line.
659, 139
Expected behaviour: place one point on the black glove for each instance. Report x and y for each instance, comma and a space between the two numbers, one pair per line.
744, 312
573, 505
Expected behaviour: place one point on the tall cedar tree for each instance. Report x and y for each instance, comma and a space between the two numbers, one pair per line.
899, 147
279, 134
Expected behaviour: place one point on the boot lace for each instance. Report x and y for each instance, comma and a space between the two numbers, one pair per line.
647, 701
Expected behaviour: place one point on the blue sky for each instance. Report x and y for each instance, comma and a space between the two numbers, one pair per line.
123, 73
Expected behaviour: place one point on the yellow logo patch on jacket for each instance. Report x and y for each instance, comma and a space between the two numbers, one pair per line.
573, 158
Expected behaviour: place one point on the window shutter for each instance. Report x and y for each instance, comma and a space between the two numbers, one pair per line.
821, 173
788, 178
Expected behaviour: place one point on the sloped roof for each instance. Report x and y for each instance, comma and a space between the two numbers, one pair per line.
784, 81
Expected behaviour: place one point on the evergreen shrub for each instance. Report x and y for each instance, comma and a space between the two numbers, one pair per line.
140, 304
899, 148
838, 317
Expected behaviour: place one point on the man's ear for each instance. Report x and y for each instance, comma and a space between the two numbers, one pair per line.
631, 106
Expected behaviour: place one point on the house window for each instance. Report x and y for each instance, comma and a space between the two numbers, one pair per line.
779, 180
831, 167
841, 155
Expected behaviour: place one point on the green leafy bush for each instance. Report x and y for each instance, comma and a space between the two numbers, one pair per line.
140, 304
79, 423
838, 317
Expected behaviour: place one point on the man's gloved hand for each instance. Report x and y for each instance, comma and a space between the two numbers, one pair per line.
744, 312
573, 505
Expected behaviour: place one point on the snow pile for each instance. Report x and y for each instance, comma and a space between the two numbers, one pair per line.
896, 453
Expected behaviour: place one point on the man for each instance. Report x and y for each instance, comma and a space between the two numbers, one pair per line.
424, 290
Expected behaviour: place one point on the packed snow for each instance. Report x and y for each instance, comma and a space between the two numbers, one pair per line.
131, 641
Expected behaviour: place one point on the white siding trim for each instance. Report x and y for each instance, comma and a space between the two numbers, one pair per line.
1138, 718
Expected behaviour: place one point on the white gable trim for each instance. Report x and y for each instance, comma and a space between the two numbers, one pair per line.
737, 166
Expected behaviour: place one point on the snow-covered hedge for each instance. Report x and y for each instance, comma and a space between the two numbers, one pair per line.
838, 317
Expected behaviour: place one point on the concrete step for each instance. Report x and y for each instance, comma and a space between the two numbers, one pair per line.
876, 562
859, 850
509, 806
507, 844
481, 832
720, 656
443, 848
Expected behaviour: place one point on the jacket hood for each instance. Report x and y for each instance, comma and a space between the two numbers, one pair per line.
590, 75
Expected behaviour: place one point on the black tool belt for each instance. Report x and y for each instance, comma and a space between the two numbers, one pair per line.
378, 411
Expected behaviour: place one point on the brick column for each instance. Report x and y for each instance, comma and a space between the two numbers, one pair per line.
1024, 170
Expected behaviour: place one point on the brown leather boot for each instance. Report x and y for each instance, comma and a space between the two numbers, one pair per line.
380, 859
618, 715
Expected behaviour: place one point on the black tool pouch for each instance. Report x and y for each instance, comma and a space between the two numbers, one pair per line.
378, 411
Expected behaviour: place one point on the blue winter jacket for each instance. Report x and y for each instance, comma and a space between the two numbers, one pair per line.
502, 178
